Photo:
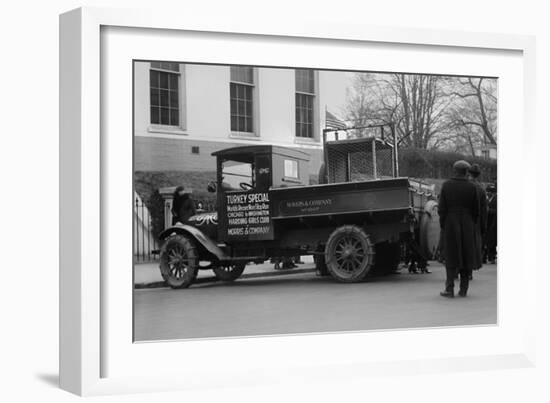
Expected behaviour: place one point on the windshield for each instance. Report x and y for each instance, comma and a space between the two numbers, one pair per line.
237, 175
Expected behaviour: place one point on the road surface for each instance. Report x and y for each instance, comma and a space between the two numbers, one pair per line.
304, 303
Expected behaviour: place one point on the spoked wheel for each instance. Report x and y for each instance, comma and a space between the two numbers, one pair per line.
179, 261
349, 254
228, 272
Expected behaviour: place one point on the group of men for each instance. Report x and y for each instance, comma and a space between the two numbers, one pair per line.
467, 215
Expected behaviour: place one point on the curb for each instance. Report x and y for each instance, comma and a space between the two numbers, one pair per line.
162, 284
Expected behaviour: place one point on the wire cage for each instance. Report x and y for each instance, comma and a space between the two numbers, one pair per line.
352, 156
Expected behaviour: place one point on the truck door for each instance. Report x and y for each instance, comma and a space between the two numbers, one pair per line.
244, 200
263, 173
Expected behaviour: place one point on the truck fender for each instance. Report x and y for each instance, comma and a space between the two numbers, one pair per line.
197, 235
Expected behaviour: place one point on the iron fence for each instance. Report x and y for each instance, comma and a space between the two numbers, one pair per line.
145, 241
145, 244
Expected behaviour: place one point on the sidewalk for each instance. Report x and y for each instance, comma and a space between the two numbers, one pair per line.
147, 275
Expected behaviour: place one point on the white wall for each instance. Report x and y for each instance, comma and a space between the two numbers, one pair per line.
205, 94
141, 98
277, 103
207, 100
492, 152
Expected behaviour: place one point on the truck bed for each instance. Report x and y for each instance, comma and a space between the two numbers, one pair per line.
342, 198
251, 216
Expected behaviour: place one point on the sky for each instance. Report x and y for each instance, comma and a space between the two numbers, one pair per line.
334, 86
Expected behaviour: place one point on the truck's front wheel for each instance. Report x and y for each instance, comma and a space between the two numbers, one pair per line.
179, 262
349, 254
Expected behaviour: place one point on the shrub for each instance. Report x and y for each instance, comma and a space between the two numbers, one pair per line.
147, 185
419, 163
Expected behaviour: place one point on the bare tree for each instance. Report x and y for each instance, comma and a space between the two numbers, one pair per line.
412, 102
477, 106
429, 112
366, 103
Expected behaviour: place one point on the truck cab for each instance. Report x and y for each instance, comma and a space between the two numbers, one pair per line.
260, 167
245, 176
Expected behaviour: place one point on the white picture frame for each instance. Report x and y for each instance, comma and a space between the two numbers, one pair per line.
87, 315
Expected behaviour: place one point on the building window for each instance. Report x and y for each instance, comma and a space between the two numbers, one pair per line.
241, 93
485, 154
305, 96
164, 84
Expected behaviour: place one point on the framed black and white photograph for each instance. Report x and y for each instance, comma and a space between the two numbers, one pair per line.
267, 200
259, 189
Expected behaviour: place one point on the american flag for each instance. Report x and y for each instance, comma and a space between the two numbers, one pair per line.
332, 122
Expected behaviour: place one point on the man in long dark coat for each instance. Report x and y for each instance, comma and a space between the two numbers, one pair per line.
458, 215
491, 238
481, 227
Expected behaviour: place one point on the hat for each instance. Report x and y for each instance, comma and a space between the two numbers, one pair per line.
474, 169
461, 166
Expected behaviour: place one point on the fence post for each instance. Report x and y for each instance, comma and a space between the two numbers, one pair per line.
136, 229
374, 171
395, 151
167, 193
143, 243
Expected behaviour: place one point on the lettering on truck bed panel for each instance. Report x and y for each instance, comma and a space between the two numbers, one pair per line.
342, 203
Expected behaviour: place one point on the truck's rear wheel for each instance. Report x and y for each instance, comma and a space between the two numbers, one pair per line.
179, 262
228, 272
349, 254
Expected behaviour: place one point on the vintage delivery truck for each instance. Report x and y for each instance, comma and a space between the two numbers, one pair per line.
266, 209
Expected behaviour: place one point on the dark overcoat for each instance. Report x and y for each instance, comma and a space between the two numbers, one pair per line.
492, 222
481, 227
458, 215
183, 208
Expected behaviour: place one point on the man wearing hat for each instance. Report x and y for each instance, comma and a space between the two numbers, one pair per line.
183, 207
491, 238
481, 227
458, 215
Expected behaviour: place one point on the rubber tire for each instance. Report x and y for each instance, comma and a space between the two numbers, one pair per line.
188, 245
235, 273
320, 265
368, 259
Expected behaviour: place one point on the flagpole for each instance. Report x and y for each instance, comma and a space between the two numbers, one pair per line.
325, 151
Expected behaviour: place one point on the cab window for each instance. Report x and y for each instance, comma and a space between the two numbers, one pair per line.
237, 175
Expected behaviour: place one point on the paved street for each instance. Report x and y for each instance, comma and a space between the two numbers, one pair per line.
302, 303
